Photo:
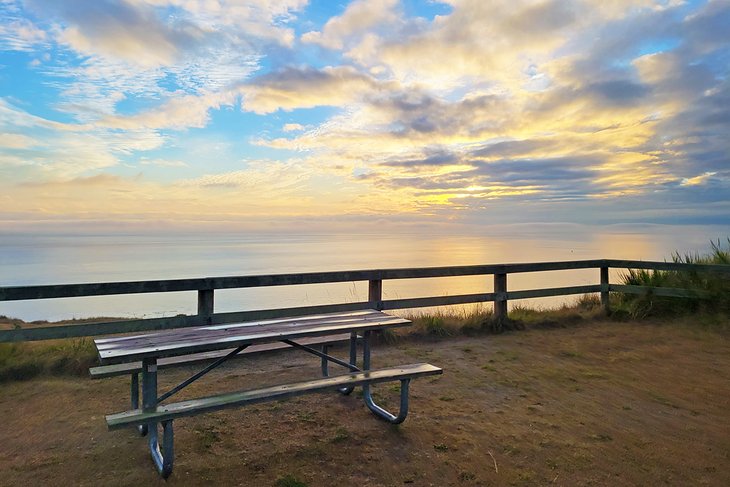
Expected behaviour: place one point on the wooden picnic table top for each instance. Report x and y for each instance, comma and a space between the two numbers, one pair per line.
183, 341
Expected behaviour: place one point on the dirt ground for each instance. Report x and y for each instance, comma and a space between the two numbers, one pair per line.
599, 403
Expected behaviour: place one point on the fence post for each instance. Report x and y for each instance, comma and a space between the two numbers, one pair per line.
500, 298
604, 290
375, 293
205, 305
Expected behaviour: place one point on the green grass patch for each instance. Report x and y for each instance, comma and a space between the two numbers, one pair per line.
289, 481
341, 434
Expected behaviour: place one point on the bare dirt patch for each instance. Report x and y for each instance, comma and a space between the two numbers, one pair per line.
601, 403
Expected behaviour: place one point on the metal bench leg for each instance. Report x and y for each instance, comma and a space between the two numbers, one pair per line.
353, 361
142, 428
162, 457
384, 414
367, 395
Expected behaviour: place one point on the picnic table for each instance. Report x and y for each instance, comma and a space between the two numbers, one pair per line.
223, 342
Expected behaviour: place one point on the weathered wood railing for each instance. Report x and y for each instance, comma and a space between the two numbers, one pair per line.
207, 286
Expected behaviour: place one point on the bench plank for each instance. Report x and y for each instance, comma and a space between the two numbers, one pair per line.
234, 399
216, 337
104, 371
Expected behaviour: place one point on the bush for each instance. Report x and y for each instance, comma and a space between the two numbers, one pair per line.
713, 289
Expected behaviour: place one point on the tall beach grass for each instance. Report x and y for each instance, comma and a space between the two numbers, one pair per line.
713, 289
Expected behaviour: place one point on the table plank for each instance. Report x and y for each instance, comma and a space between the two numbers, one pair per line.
207, 338
183, 334
180, 331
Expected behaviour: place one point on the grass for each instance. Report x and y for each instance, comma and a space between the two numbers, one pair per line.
25, 360
289, 481
715, 286
441, 325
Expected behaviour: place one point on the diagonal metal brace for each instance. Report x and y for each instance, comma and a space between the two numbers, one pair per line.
313, 351
200, 374
353, 361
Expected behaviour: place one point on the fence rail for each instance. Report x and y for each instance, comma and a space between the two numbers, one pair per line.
206, 287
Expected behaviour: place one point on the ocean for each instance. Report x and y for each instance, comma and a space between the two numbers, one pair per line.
28, 259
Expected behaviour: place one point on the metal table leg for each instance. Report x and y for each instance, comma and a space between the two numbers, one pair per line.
162, 455
134, 386
353, 361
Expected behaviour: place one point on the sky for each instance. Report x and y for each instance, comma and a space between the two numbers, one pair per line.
324, 114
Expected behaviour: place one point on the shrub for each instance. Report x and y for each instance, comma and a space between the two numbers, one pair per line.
713, 289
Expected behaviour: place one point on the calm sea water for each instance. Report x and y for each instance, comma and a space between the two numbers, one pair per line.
60, 259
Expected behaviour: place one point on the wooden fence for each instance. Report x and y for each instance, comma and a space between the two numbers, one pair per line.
206, 288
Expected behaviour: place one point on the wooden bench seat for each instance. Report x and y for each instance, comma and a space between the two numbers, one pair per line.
213, 403
104, 371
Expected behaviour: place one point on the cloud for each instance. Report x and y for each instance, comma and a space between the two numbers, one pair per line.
19, 34
706, 29
260, 176
431, 157
617, 92
17, 141
46, 149
98, 180
121, 30
477, 41
702, 179
162, 33
359, 17
177, 113
292, 88
13, 116
293, 127
163, 162
61, 156
508, 148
